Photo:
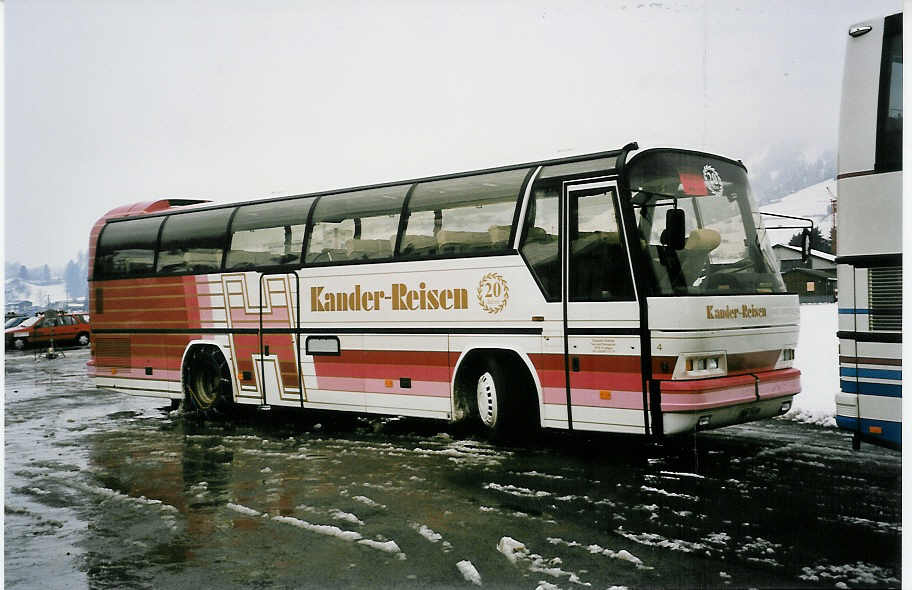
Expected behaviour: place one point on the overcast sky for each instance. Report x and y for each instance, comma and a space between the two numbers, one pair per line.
113, 102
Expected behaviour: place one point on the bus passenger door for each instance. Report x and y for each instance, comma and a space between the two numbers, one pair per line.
277, 364
601, 316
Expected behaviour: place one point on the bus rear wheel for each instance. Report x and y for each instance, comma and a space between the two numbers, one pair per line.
207, 381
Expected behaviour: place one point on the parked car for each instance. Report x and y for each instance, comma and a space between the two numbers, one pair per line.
64, 328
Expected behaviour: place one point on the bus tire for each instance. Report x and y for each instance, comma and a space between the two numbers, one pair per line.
207, 380
82, 339
503, 406
19, 343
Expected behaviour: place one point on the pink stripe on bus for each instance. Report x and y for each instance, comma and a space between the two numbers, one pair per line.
429, 388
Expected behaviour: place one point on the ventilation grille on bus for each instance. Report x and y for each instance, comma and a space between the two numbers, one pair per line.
112, 351
885, 298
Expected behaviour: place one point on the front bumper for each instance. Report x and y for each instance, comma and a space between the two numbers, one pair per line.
712, 403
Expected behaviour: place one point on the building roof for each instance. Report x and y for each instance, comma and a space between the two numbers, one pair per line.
816, 253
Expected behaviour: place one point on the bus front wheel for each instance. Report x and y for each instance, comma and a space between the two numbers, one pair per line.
207, 381
504, 405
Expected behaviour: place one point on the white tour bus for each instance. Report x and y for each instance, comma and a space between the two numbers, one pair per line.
589, 293
869, 234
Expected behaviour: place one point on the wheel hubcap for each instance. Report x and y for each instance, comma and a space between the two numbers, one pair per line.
486, 394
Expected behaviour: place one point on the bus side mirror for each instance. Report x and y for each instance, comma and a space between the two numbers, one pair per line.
805, 245
674, 229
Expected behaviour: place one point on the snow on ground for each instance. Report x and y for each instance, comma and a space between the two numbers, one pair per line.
817, 357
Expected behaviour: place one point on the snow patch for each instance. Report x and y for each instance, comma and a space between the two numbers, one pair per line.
594, 549
667, 493
469, 572
859, 573
817, 356
884, 527
386, 546
368, 502
655, 540
321, 529
683, 474
426, 532
517, 490
511, 548
518, 554
537, 474
243, 509
345, 516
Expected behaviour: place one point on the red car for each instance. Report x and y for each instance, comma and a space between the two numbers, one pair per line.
64, 328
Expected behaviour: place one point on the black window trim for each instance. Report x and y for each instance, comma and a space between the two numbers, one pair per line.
892, 27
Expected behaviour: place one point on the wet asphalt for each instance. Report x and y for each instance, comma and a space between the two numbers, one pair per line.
104, 490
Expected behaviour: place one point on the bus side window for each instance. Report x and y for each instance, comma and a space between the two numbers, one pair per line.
540, 246
356, 226
599, 270
268, 234
466, 215
193, 241
127, 248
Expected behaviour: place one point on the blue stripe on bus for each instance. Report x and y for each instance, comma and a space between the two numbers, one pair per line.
870, 373
863, 388
853, 310
890, 431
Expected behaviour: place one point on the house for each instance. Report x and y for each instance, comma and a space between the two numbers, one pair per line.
812, 286
815, 280
790, 257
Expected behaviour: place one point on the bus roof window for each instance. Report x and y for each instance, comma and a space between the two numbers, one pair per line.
582, 168
127, 248
193, 242
465, 215
356, 226
268, 234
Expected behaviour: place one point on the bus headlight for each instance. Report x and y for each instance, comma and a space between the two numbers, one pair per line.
705, 365
786, 358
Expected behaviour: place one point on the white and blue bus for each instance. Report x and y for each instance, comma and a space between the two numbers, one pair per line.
869, 234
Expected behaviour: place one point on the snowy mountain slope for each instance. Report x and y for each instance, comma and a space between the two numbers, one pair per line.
812, 202
39, 293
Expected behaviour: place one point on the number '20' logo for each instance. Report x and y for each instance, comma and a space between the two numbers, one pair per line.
492, 292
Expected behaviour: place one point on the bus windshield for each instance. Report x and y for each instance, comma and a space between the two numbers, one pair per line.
725, 250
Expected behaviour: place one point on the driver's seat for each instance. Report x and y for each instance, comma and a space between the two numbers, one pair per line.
696, 251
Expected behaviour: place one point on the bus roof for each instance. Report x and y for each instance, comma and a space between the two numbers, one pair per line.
165, 206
